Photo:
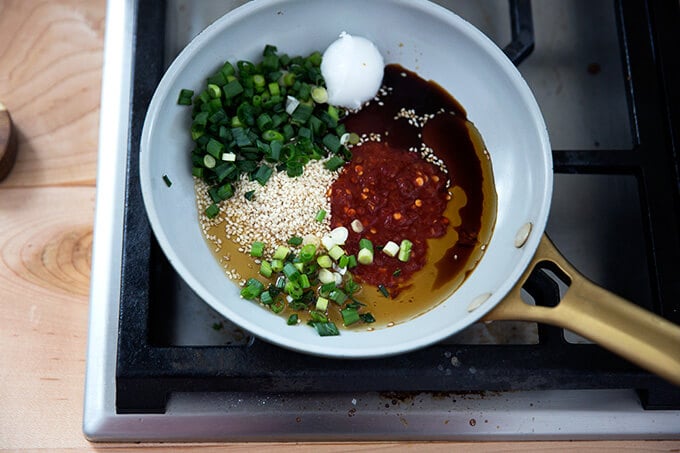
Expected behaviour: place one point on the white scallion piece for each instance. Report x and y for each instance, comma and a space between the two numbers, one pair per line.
326, 276
339, 235
391, 249
291, 104
365, 256
311, 239
321, 303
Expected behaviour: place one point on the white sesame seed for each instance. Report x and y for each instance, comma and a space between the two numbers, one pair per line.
283, 208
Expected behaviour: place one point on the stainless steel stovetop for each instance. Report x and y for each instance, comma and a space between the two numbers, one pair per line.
577, 76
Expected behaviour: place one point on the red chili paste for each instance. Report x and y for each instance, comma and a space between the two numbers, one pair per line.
396, 195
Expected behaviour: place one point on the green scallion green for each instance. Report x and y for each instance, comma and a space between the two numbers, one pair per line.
307, 253
185, 96
266, 269
212, 211
257, 249
281, 253
320, 215
295, 241
334, 163
325, 329
349, 316
367, 318
252, 289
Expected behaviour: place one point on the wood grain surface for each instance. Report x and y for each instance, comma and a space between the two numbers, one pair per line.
50, 74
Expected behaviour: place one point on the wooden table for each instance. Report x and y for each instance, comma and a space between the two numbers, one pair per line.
50, 74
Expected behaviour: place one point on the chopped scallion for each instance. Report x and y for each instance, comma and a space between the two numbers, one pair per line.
367, 318
336, 252
266, 298
307, 253
326, 276
365, 244
278, 305
326, 288
281, 253
405, 250
212, 210
319, 95
320, 215
365, 256
293, 289
209, 161
391, 249
304, 281
334, 163
257, 249
252, 289
232, 89
263, 174
214, 90
277, 265
291, 272
185, 96
321, 303
295, 240
325, 329
324, 261
317, 316
350, 316
337, 296
332, 142
266, 269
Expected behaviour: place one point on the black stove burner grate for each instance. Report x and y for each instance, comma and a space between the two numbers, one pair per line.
147, 373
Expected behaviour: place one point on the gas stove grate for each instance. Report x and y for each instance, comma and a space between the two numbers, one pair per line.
147, 372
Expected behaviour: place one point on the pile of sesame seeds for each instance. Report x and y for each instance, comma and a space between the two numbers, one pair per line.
283, 208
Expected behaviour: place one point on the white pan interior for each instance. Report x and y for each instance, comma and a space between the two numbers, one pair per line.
422, 37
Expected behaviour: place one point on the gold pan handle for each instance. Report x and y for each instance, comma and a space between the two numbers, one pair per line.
614, 323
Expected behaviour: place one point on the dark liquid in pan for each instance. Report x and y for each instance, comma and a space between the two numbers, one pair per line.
471, 212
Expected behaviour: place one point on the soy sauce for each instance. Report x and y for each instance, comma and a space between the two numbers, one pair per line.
455, 142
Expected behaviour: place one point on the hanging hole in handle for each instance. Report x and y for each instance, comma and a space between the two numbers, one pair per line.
547, 284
